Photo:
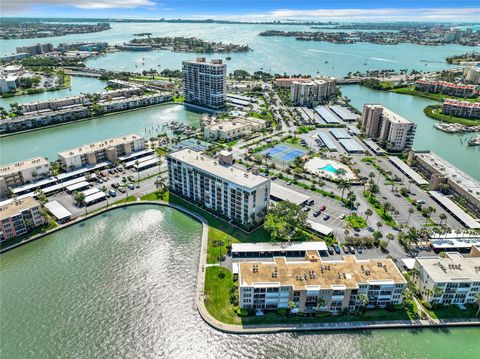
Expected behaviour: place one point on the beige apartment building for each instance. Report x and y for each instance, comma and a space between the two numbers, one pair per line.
317, 285
309, 93
204, 83
23, 172
452, 279
392, 131
107, 150
233, 128
230, 192
18, 217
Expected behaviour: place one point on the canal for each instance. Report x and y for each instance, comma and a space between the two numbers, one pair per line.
122, 285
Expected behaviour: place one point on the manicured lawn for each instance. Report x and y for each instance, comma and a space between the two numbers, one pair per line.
156, 196
356, 221
410, 90
221, 231
453, 311
217, 295
378, 207
435, 112
125, 200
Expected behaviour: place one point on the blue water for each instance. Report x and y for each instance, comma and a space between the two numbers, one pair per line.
328, 168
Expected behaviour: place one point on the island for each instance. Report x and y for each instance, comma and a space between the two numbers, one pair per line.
31, 30
187, 44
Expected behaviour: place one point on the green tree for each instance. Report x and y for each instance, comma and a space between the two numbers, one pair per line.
284, 221
344, 185
368, 213
79, 198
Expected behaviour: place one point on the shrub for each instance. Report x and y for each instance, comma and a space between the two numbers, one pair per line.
242, 312
282, 311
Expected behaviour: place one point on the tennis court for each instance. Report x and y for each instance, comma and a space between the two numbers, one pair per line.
284, 153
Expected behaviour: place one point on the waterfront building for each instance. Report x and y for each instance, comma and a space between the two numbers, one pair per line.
107, 150
453, 35
461, 108
393, 132
233, 128
447, 88
13, 57
230, 192
23, 172
8, 83
286, 82
472, 74
18, 217
317, 285
449, 279
122, 103
12, 69
53, 104
442, 174
309, 93
37, 49
204, 84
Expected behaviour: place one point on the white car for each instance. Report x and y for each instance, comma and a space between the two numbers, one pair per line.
342, 216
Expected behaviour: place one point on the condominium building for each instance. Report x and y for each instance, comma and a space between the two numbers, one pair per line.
107, 150
23, 172
392, 131
447, 88
234, 128
18, 217
472, 74
451, 279
37, 49
204, 83
230, 192
286, 82
8, 83
317, 285
441, 173
308, 93
461, 108
53, 104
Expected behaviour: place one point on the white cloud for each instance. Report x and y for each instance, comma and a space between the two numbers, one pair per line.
13, 6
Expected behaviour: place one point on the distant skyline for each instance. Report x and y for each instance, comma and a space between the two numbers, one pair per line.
259, 10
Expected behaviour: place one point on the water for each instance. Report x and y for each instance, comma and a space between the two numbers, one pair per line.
79, 85
328, 168
452, 147
47, 142
273, 54
96, 290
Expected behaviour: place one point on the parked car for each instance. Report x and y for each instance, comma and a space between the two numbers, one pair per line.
289, 183
111, 171
131, 178
352, 249
310, 202
336, 248
317, 213
326, 217
322, 208
342, 216
112, 192
121, 189
370, 229
306, 209
345, 249
359, 250
130, 186
330, 250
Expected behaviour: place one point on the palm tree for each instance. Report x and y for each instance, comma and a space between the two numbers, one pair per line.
477, 300
138, 173
266, 157
343, 185
363, 298
368, 213
340, 172
159, 163
387, 207
320, 303
79, 198
321, 184
428, 292
374, 189
410, 212
443, 217
379, 225
390, 236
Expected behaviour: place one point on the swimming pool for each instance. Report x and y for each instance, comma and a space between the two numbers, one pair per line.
328, 168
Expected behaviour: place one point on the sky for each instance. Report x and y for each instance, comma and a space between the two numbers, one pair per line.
251, 10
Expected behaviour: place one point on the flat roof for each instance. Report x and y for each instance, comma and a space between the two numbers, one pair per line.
452, 207
34, 185
452, 267
135, 155
351, 145
96, 146
22, 165
419, 180
374, 146
326, 114
339, 133
81, 171
95, 197
287, 194
409, 263
147, 163
317, 273
454, 240
58, 210
229, 173
62, 185
344, 113
90, 191
320, 228
279, 247
140, 160
77, 186
12, 208
327, 141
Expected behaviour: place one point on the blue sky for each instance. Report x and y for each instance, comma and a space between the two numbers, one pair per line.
346, 10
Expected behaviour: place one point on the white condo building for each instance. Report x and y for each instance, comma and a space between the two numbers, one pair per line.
23, 172
204, 83
232, 193
453, 279
308, 93
393, 131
